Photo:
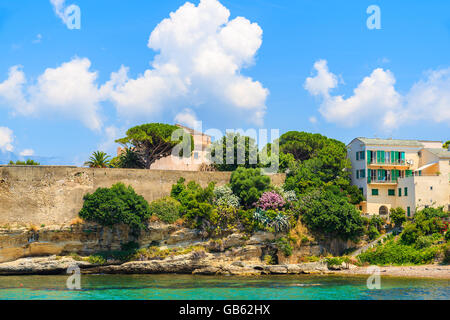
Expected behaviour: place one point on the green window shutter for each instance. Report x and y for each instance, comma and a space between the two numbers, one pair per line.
402, 156
408, 211
408, 173
392, 156
369, 175
399, 192
357, 155
391, 192
382, 156
368, 156
357, 174
378, 156
374, 192
406, 192
362, 155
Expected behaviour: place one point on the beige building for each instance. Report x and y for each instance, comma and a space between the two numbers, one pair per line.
411, 174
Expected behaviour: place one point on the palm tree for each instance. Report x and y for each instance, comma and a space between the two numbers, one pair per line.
99, 159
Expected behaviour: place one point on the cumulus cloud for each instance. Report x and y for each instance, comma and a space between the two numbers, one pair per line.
201, 55
27, 153
188, 118
111, 134
6, 139
200, 59
69, 90
376, 100
59, 8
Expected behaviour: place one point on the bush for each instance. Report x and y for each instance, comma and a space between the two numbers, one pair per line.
447, 236
331, 214
397, 253
285, 246
334, 261
410, 234
398, 216
249, 185
166, 209
196, 202
373, 233
223, 196
270, 200
115, 205
424, 242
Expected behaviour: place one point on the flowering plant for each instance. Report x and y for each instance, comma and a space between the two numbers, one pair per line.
270, 200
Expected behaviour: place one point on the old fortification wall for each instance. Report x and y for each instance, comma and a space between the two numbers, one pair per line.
54, 195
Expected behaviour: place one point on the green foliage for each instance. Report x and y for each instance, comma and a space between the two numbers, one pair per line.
99, 159
447, 236
166, 209
196, 202
285, 246
128, 158
115, 205
410, 233
424, 242
446, 250
223, 219
398, 216
223, 196
397, 253
268, 259
249, 185
334, 261
97, 259
446, 144
153, 141
245, 152
373, 232
377, 222
28, 162
331, 214
426, 222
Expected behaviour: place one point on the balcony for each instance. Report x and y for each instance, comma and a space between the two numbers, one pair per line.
382, 181
389, 163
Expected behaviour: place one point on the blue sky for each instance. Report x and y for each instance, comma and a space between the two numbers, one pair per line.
290, 65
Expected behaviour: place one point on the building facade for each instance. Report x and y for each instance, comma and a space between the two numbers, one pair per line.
411, 174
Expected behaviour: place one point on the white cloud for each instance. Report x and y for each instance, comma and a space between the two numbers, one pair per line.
313, 120
27, 153
59, 7
38, 38
69, 90
188, 118
6, 139
323, 81
201, 56
376, 100
111, 134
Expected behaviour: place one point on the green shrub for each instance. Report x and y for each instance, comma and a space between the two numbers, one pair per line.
249, 185
331, 214
446, 249
115, 205
397, 253
285, 246
373, 233
97, 259
196, 202
334, 261
424, 242
410, 234
166, 209
398, 216
447, 236
223, 196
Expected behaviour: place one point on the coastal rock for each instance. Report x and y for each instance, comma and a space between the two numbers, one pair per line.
183, 235
261, 237
276, 269
42, 265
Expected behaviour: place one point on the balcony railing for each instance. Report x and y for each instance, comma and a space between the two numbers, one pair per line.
382, 181
389, 162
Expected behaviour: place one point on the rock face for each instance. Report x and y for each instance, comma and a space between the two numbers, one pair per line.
44, 265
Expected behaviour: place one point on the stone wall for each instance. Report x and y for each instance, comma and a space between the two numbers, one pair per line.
54, 195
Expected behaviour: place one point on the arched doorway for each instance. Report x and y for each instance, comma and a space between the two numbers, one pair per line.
383, 211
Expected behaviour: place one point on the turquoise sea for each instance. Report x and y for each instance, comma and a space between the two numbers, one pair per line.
123, 287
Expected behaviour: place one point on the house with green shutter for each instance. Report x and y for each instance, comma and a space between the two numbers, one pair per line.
391, 173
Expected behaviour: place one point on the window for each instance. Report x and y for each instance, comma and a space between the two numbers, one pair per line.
391, 192
431, 188
362, 190
406, 192
360, 208
362, 156
357, 174
195, 155
408, 210
362, 173
357, 155
374, 192
399, 192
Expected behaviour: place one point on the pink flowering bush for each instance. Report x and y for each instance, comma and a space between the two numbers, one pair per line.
270, 200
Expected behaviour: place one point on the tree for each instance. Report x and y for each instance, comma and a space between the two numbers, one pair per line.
153, 141
446, 144
330, 214
249, 184
244, 150
118, 204
398, 216
127, 159
29, 162
99, 159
